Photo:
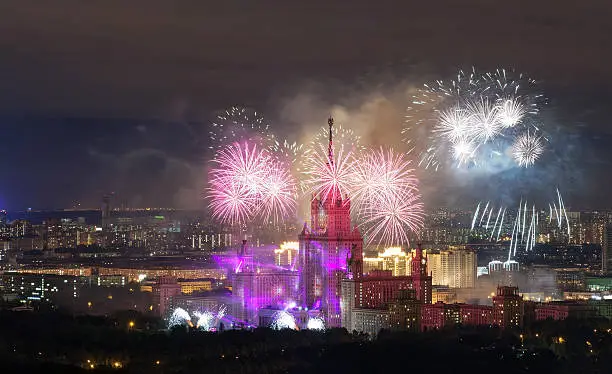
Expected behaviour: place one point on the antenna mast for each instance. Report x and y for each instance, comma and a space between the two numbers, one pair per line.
330, 148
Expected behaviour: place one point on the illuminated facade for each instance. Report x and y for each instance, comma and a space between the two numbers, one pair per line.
507, 307
405, 312
163, 291
330, 250
377, 289
258, 289
286, 254
439, 315
194, 285
455, 268
392, 258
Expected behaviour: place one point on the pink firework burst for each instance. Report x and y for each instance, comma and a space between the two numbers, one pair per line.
386, 196
247, 182
380, 174
328, 176
278, 194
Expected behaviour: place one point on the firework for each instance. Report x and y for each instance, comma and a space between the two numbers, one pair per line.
470, 119
283, 320
483, 120
389, 220
179, 317
239, 124
247, 182
510, 112
523, 227
527, 149
385, 197
278, 198
315, 323
236, 182
205, 320
328, 178
286, 151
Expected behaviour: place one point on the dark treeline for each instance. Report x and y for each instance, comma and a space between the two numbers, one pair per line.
52, 342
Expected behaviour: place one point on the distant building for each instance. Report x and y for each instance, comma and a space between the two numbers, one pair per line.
444, 294
370, 321
560, 310
189, 286
606, 251
507, 307
405, 312
256, 289
439, 315
330, 249
393, 259
286, 254
455, 267
163, 291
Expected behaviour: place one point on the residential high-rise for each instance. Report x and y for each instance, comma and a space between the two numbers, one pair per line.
507, 307
421, 282
455, 267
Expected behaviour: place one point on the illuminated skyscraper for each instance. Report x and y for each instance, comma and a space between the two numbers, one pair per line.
330, 250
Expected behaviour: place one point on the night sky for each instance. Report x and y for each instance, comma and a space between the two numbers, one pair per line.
100, 96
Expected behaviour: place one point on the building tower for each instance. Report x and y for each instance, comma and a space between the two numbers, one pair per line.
421, 282
606, 250
507, 307
330, 250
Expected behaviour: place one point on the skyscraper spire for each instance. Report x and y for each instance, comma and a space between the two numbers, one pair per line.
330, 148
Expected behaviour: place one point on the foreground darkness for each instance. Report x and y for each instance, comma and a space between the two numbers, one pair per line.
52, 342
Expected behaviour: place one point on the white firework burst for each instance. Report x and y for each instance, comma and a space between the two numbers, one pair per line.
510, 112
527, 149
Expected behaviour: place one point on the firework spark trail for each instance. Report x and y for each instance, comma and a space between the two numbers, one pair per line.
510, 112
379, 175
525, 224
562, 208
501, 223
484, 119
459, 117
286, 151
512, 239
495, 224
239, 124
484, 212
475, 216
